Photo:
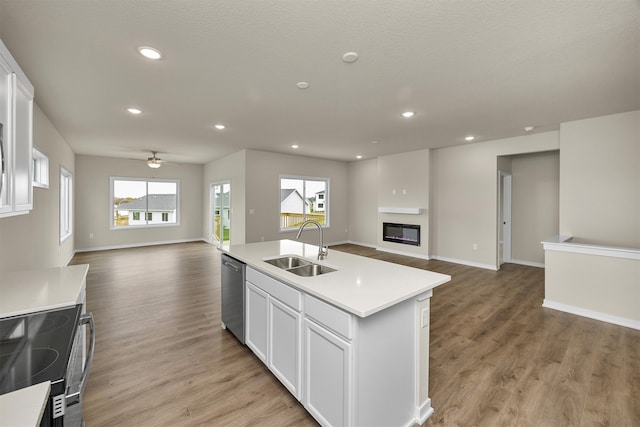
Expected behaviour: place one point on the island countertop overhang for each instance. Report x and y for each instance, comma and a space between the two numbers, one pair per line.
360, 285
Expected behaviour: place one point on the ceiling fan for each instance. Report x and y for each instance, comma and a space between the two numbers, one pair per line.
154, 162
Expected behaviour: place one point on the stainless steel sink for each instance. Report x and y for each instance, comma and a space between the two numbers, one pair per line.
299, 266
311, 270
287, 262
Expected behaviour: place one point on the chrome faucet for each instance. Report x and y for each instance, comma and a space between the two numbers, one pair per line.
323, 251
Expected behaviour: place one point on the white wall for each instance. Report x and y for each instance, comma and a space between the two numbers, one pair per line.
600, 180
403, 182
32, 240
601, 287
262, 194
464, 202
230, 168
535, 204
363, 202
599, 205
93, 204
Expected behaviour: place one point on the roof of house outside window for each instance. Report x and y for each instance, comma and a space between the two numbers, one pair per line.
157, 202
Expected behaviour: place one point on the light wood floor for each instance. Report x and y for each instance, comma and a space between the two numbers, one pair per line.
497, 357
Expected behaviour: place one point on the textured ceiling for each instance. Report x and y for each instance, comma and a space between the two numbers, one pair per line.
485, 68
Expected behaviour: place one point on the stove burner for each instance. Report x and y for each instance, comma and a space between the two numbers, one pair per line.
21, 367
35, 347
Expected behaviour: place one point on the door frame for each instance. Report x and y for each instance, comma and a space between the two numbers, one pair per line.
504, 231
212, 193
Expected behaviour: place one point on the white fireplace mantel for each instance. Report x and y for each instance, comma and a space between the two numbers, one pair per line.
406, 211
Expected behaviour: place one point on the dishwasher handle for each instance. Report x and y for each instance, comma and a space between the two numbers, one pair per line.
73, 398
231, 266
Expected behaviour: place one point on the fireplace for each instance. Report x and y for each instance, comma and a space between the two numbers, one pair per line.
407, 234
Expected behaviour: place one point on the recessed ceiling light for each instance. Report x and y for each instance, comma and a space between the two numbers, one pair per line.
302, 85
359, 156
133, 110
149, 52
469, 138
295, 146
350, 57
529, 128
219, 126
408, 114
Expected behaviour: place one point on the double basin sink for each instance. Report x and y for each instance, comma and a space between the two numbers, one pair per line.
299, 266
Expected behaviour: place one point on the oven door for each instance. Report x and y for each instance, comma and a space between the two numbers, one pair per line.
78, 372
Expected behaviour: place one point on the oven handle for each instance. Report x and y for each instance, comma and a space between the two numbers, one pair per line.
73, 398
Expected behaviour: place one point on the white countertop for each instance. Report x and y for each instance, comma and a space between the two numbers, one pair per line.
28, 291
361, 285
24, 407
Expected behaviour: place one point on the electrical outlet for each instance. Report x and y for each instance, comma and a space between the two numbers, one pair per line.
424, 322
91, 235
475, 246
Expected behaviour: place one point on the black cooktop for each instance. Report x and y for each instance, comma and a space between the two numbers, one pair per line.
35, 347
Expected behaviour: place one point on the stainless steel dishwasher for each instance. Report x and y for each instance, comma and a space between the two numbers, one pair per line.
233, 276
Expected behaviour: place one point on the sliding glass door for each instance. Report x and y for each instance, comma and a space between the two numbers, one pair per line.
220, 213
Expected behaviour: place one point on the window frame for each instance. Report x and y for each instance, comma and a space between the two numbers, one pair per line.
40, 164
160, 224
66, 204
304, 179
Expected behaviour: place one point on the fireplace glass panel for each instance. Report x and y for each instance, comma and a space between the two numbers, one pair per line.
408, 234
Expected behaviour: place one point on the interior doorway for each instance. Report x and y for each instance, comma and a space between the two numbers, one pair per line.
220, 213
504, 216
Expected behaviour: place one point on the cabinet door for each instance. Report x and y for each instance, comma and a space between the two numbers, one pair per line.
22, 175
285, 326
327, 376
6, 103
256, 327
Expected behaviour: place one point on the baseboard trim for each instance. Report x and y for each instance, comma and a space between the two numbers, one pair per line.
596, 315
424, 412
66, 263
469, 263
411, 254
138, 245
527, 263
353, 242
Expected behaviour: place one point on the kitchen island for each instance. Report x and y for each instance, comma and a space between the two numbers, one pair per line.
352, 344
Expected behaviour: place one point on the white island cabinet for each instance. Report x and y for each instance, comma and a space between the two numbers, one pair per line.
328, 367
274, 326
351, 344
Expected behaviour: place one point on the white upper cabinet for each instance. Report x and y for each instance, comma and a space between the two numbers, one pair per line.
16, 117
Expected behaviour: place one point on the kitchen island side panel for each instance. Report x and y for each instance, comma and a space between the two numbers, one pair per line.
386, 368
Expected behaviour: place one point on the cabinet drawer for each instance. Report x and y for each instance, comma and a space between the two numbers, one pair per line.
280, 291
329, 316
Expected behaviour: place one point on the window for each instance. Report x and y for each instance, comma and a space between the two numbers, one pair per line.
136, 202
66, 204
303, 199
40, 168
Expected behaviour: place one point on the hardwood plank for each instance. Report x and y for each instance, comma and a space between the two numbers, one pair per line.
497, 358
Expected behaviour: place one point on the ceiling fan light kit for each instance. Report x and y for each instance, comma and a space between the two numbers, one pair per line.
154, 162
